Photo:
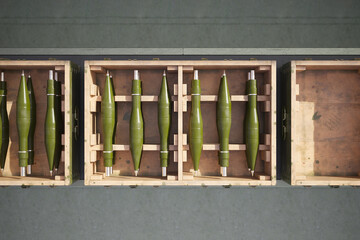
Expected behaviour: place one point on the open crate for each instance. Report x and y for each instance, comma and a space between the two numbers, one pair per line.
179, 75
69, 165
321, 115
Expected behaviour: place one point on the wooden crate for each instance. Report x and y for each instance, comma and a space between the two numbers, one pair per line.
321, 122
69, 165
179, 75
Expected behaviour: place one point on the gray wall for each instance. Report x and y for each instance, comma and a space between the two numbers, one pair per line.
78, 212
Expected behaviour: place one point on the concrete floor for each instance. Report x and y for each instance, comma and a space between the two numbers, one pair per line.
78, 212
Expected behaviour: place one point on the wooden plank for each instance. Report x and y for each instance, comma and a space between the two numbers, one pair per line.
180, 123
234, 98
232, 147
124, 147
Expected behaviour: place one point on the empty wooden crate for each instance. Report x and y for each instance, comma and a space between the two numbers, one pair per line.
69, 165
321, 122
179, 75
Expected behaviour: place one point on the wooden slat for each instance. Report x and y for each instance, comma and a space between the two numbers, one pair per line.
232, 147
180, 122
124, 147
234, 98
128, 98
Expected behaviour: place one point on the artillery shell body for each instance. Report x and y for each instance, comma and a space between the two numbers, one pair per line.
108, 121
51, 128
251, 124
32, 121
4, 128
136, 125
59, 121
196, 124
223, 121
164, 121
23, 121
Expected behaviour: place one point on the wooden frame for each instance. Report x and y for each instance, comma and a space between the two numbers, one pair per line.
320, 121
68, 169
180, 73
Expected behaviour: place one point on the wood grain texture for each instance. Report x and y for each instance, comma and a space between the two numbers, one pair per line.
325, 123
181, 74
40, 170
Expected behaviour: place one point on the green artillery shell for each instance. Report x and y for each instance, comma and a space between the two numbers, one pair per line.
111, 79
4, 121
50, 123
251, 123
223, 121
164, 121
196, 123
23, 120
136, 123
108, 121
59, 122
32, 123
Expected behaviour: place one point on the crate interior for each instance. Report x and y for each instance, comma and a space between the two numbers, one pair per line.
328, 123
40, 169
151, 83
210, 81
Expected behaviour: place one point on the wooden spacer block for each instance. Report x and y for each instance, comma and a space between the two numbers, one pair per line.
267, 89
93, 106
176, 106
300, 68
62, 158
266, 139
184, 156
62, 139
97, 69
198, 173
263, 177
97, 176
171, 69
63, 89
93, 156
94, 90
265, 156
184, 139
60, 68
176, 89
188, 69
262, 68
95, 139
63, 106
171, 177
188, 176
59, 178
300, 177
266, 106
297, 89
